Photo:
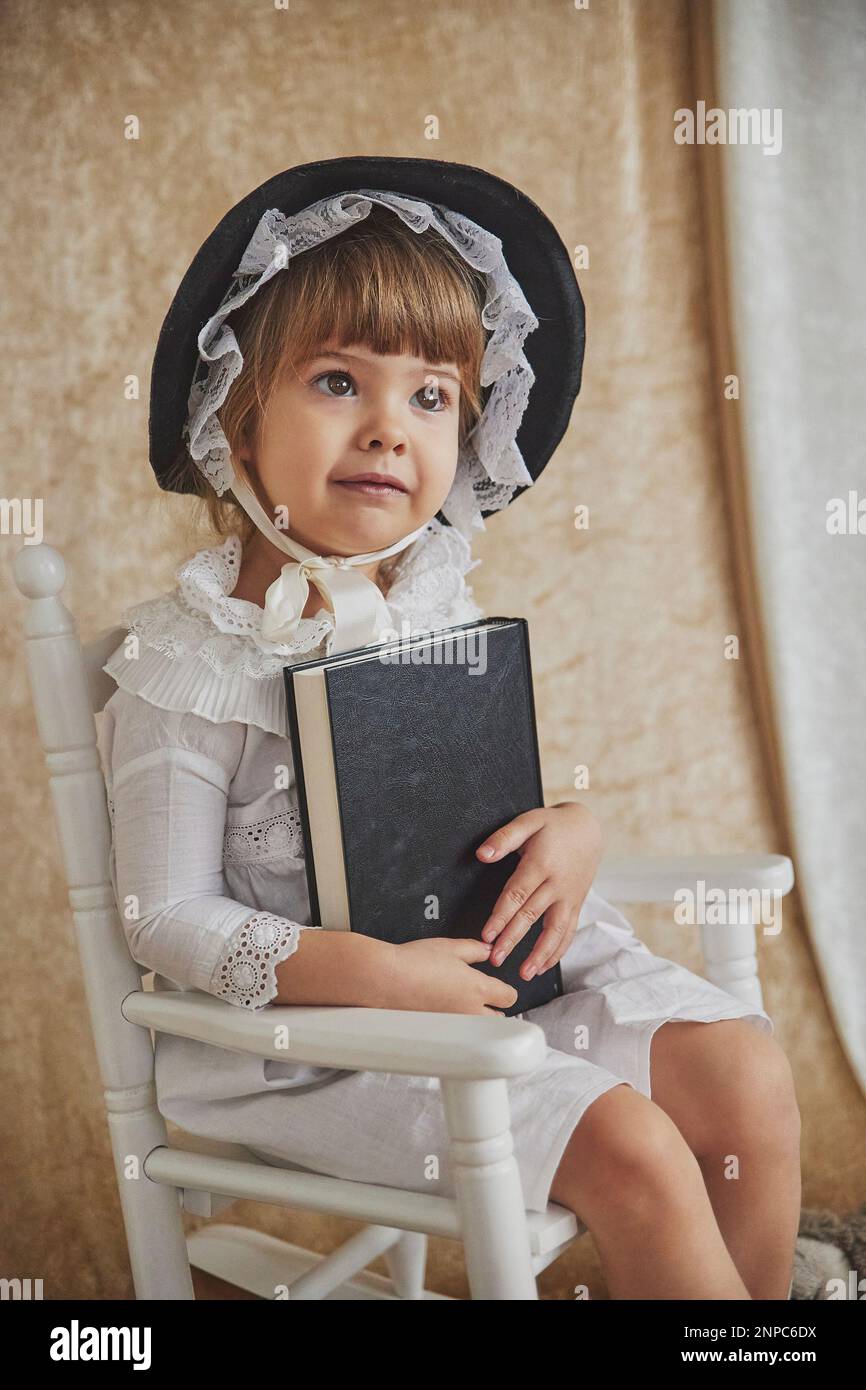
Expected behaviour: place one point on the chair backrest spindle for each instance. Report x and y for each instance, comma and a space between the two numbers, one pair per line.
69, 688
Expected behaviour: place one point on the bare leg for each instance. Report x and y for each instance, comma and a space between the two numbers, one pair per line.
627, 1173
729, 1090
764, 1256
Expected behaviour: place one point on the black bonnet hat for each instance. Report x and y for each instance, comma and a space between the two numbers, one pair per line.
532, 294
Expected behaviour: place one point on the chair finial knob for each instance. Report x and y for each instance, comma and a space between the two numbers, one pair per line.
40, 571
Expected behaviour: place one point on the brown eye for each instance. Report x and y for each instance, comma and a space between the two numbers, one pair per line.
332, 376
433, 396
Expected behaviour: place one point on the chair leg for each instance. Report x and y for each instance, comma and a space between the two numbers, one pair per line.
488, 1190
406, 1261
729, 956
151, 1210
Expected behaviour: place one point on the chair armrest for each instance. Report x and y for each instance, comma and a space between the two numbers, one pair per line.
463, 1046
657, 878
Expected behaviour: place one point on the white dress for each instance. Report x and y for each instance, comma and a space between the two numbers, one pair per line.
207, 865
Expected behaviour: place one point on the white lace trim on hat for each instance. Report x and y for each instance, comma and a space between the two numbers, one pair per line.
200, 650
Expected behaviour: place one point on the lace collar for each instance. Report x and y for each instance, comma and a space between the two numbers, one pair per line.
201, 650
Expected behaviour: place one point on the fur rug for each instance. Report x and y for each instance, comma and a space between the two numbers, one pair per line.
830, 1247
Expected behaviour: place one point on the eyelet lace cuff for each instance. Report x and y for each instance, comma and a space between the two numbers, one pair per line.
245, 973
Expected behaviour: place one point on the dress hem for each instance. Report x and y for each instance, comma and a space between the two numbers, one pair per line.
643, 1057
537, 1197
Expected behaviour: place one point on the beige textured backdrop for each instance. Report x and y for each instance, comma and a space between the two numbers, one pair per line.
627, 619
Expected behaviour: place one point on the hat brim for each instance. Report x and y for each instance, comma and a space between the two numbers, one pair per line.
533, 250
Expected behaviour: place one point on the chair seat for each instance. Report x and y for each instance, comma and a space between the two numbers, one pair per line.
548, 1230
219, 1148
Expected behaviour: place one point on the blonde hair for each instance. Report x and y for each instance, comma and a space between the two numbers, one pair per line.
378, 284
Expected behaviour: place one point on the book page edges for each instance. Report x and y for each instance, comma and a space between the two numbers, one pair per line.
323, 810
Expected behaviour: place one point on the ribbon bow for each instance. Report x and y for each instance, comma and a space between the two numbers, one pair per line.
286, 598
357, 603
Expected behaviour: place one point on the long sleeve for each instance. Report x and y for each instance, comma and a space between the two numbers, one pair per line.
168, 775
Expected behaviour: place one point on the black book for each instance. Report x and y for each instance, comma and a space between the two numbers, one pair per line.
408, 754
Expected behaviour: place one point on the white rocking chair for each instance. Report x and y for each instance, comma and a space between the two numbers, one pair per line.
505, 1245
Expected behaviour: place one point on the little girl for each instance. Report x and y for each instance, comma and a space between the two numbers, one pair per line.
379, 333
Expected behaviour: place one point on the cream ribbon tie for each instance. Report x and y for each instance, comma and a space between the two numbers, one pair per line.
358, 605
286, 598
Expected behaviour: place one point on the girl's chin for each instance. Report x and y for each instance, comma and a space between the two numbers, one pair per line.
373, 529
362, 539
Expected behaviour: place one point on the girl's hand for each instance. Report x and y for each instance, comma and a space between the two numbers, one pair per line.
561, 850
435, 974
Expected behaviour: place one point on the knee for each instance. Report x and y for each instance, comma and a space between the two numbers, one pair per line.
756, 1106
651, 1167
626, 1161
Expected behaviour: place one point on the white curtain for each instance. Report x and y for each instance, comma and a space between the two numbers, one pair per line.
794, 223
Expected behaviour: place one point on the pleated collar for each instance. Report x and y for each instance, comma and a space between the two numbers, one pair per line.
199, 649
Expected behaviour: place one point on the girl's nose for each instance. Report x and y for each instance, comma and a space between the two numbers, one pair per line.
384, 438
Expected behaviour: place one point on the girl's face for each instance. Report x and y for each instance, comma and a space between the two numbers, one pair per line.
348, 411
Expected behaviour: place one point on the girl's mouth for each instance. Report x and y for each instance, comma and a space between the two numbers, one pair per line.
373, 489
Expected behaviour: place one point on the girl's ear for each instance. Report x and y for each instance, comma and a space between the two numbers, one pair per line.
246, 468
244, 460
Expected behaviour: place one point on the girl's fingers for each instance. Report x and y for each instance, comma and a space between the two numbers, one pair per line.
516, 894
554, 941
556, 921
520, 919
